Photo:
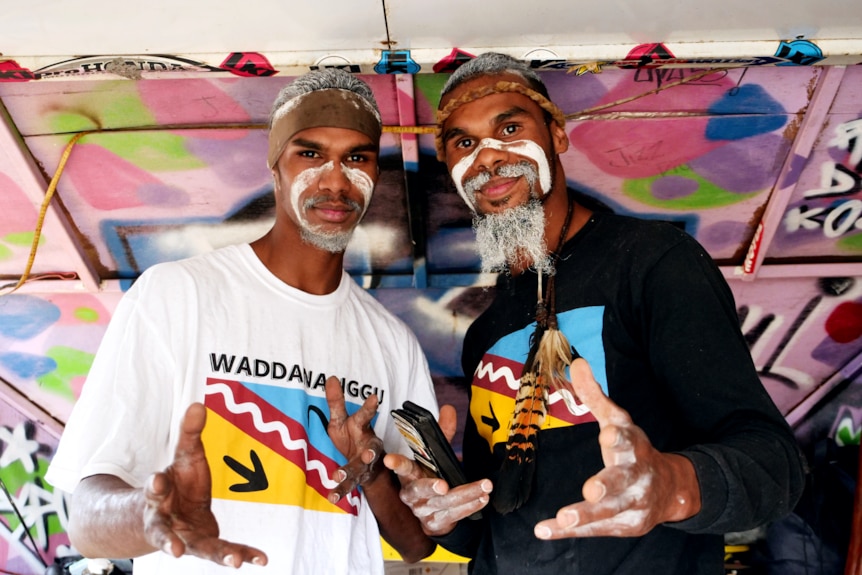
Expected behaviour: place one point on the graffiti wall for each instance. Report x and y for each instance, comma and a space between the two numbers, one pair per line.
152, 170
32, 514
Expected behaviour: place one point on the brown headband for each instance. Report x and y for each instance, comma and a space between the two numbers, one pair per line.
487, 90
331, 108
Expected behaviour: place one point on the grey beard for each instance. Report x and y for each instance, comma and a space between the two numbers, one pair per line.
328, 242
515, 236
332, 243
523, 168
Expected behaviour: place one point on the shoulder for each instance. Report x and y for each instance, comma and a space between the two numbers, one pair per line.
189, 273
225, 257
646, 240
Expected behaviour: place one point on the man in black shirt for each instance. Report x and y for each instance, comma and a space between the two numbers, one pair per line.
617, 424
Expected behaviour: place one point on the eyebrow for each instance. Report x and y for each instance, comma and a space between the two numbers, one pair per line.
317, 146
500, 118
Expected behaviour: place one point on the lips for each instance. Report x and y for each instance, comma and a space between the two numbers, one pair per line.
334, 212
498, 188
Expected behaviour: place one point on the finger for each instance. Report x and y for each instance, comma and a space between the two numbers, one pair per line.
189, 441
448, 421
589, 392
365, 414
405, 468
617, 444
454, 505
335, 399
371, 453
349, 482
157, 527
629, 523
443, 521
226, 552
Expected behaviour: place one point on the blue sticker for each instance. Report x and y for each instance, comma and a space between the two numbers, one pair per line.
396, 62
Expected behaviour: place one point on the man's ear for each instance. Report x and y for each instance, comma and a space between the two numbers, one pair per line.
276, 182
559, 138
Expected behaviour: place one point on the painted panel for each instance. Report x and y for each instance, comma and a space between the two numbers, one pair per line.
25, 452
48, 341
62, 106
704, 154
18, 217
823, 216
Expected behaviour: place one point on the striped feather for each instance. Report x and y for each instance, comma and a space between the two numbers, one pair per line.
515, 481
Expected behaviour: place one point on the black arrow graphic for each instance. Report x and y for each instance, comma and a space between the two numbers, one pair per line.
492, 421
255, 478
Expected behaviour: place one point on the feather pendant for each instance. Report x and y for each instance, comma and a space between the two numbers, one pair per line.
515, 482
554, 355
546, 364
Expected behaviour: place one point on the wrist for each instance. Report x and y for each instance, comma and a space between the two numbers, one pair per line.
685, 494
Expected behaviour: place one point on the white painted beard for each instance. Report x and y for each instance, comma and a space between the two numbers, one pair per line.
516, 237
332, 242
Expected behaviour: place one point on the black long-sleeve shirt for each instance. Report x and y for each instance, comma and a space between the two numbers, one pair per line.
646, 306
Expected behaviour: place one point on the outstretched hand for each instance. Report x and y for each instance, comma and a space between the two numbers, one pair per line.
355, 439
178, 518
431, 500
639, 487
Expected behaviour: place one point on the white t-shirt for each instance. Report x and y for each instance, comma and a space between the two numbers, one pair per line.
221, 329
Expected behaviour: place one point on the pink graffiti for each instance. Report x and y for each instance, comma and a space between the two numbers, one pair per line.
192, 102
112, 189
643, 148
18, 214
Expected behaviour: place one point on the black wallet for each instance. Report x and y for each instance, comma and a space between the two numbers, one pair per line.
429, 445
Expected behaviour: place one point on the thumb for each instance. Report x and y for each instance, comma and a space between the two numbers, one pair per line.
448, 421
589, 392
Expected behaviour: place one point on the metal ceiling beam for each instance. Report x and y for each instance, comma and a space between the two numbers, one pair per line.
788, 177
32, 183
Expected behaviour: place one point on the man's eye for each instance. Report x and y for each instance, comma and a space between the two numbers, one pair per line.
464, 143
510, 129
308, 153
356, 158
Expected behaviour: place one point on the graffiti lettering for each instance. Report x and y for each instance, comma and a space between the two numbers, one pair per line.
757, 328
636, 154
834, 221
29, 495
837, 179
847, 135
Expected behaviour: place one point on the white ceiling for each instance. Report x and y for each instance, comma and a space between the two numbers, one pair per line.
302, 33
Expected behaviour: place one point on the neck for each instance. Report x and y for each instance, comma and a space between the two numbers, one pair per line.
298, 264
557, 216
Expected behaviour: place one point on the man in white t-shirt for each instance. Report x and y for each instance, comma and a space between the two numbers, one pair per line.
244, 394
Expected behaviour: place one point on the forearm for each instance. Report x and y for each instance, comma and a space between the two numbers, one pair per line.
106, 519
747, 480
398, 526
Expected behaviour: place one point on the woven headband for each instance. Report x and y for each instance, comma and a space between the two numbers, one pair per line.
330, 108
502, 86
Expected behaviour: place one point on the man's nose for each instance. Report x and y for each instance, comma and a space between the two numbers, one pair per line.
334, 179
489, 158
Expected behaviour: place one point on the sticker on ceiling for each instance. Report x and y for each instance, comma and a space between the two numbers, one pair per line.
396, 62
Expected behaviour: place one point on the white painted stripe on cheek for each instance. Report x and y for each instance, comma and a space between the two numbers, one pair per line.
458, 172
526, 148
532, 150
302, 182
362, 181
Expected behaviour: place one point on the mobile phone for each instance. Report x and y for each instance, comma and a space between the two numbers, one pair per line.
427, 442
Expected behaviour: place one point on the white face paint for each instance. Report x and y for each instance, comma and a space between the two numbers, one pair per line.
301, 183
360, 180
313, 234
526, 148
